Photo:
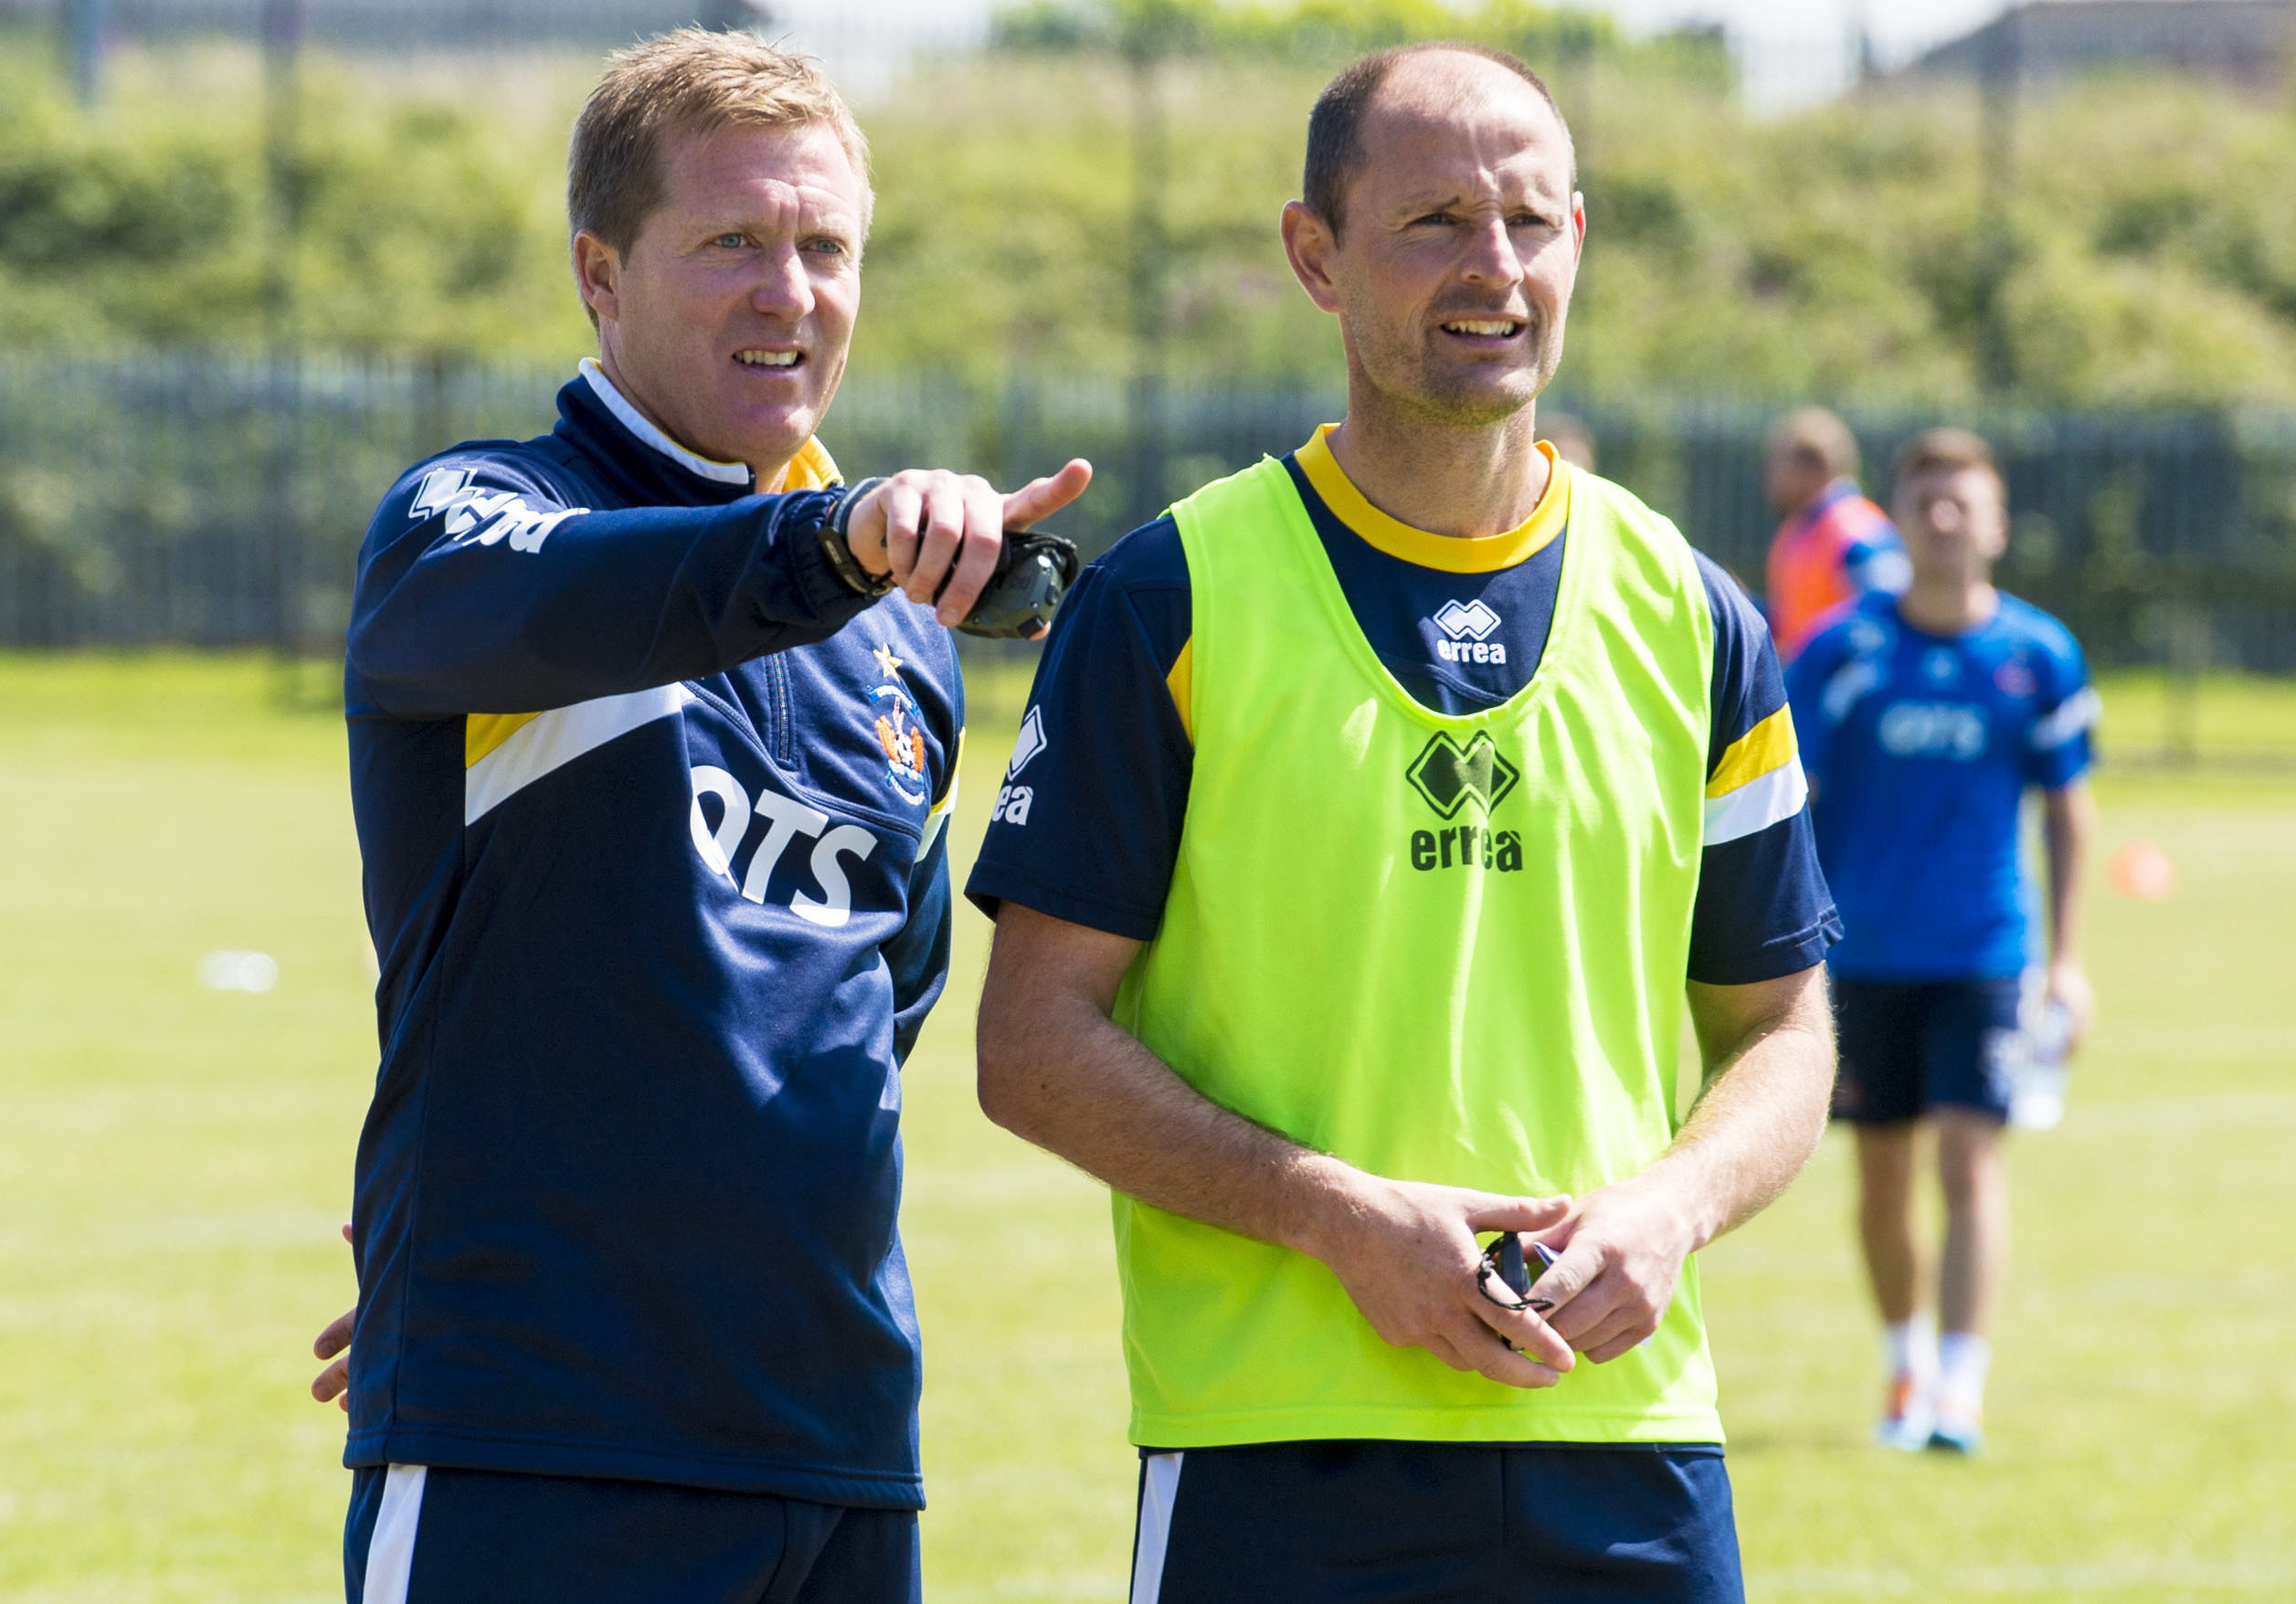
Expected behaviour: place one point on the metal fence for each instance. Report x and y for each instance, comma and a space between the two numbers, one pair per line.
866, 47
181, 499
2161, 539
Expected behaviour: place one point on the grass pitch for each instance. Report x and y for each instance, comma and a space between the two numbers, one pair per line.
173, 1163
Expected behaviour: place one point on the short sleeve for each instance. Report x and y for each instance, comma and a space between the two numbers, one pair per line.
1876, 560
1085, 825
1763, 908
2058, 745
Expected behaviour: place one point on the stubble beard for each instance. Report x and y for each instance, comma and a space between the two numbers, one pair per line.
1411, 382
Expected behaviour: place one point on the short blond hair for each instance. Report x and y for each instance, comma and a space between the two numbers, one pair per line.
1818, 437
690, 81
1949, 450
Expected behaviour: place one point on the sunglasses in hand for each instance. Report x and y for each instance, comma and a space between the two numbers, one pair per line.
1503, 1263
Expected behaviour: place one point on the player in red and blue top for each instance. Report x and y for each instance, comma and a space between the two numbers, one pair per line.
1924, 720
1835, 544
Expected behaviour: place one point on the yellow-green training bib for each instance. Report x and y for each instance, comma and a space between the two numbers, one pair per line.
1442, 948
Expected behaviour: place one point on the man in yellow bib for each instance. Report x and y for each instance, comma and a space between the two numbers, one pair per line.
1371, 813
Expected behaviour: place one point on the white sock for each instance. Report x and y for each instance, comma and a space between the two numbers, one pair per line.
1911, 1348
1962, 1359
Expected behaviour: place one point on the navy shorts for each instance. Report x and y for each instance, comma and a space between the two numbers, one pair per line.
1435, 1523
436, 1535
1907, 1048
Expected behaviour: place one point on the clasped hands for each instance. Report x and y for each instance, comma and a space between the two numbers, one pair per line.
1408, 1254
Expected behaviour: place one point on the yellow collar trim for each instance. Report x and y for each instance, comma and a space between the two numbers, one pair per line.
809, 469
1446, 554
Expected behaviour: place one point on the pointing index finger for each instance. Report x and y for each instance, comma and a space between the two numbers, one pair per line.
1041, 498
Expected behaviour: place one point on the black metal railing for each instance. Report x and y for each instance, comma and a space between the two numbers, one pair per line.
204, 500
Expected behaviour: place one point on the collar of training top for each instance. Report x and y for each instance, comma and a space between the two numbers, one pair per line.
651, 468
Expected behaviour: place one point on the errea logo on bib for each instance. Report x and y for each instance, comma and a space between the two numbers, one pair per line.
1451, 778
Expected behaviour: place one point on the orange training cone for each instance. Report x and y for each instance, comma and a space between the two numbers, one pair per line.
2142, 870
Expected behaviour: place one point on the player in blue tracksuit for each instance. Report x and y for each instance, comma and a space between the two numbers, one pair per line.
651, 771
1925, 719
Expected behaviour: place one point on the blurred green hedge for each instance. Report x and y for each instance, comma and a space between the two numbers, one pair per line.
2151, 229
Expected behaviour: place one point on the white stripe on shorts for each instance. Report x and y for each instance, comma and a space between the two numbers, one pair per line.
390, 1552
1160, 1487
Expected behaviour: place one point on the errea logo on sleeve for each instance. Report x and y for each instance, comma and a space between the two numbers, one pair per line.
495, 515
1030, 743
442, 488
1013, 802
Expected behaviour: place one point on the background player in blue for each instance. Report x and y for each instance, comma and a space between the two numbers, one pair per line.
1924, 721
651, 771
1448, 559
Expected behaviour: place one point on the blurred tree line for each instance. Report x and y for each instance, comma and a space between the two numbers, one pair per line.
2147, 249
427, 215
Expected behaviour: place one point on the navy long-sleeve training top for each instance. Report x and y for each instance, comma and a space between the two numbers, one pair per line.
649, 808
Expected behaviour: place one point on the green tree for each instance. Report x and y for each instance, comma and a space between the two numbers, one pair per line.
1832, 252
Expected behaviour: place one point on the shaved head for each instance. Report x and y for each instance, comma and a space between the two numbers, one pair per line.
1452, 173
1409, 81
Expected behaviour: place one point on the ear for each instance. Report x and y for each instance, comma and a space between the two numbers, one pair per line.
1995, 544
1309, 246
1578, 224
598, 274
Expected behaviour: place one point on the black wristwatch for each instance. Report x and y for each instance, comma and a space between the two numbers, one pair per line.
837, 549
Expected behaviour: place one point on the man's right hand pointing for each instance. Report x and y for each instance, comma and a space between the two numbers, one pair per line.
938, 533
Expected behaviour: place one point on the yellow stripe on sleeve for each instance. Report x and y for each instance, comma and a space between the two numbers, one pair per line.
1181, 681
955, 765
811, 468
484, 732
1767, 747
936, 820
524, 747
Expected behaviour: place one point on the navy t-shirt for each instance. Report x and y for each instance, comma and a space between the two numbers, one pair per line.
1921, 748
1088, 826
